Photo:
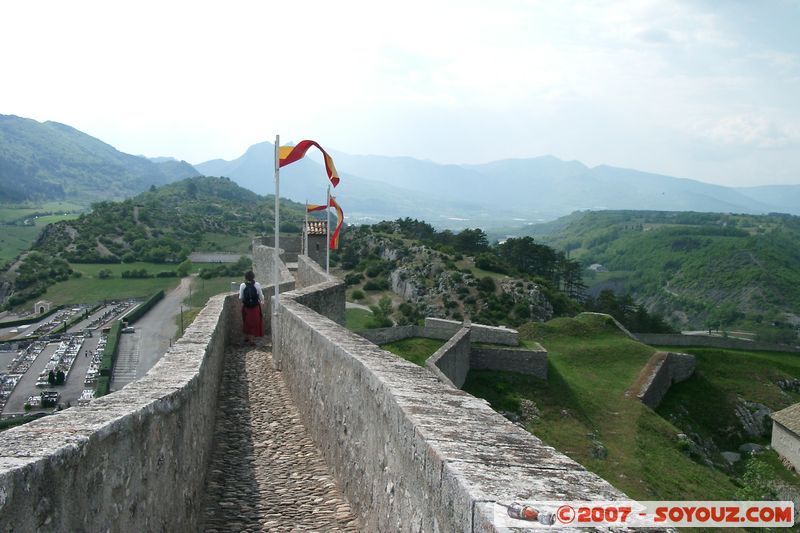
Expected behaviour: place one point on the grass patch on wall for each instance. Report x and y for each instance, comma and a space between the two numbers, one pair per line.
415, 349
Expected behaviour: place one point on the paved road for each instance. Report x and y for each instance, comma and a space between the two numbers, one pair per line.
154, 334
265, 473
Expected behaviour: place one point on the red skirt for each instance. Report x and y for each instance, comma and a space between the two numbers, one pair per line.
252, 321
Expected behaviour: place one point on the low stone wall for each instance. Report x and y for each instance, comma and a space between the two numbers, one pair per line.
661, 371
438, 328
411, 453
666, 339
134, 460
521, 360
451, 362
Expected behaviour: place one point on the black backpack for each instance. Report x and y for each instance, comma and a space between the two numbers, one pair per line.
250, 295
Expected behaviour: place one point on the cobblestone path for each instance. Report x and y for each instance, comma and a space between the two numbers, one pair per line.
265, 473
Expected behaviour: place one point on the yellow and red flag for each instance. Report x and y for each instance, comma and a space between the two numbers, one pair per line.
334, 242
289, 154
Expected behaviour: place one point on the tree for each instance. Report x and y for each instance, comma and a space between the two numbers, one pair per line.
380, 313
184, 268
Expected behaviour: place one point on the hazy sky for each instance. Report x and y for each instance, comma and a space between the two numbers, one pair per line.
705, 90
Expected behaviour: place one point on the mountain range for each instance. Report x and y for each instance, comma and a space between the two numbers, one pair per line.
42, 161
53, 161
512, 192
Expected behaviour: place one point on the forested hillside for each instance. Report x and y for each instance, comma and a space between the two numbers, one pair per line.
460, 275
700, 269
52, 161
165, 224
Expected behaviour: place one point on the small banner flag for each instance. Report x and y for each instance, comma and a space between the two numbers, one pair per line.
289, 154
310, 208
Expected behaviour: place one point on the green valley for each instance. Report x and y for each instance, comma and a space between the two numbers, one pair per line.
700, 270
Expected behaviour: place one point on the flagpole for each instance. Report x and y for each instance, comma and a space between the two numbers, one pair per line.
276, 274
328, 233
305, 232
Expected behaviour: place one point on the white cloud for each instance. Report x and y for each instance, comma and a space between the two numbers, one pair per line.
582, 79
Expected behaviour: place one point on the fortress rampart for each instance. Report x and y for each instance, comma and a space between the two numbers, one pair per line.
409, 452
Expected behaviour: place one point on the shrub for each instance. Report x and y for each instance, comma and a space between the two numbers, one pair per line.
357, 295
486, 284
353, 278
377, 285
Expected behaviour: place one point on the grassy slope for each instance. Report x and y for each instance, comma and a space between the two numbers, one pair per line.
416, 349
357, 319
705, 402
591, 365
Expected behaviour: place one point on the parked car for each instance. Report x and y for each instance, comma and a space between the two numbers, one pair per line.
129, 329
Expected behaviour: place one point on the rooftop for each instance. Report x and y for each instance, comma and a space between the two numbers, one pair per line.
317, 227
789, 418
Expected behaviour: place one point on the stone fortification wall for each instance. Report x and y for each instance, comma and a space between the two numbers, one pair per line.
665, 339
524, 361
397, 333
291, 245
451, 362
410, 452
479, 356
309, 272
438, 328
263, 259
661, 371
134, 460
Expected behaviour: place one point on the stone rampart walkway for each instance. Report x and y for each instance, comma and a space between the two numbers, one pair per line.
265, 473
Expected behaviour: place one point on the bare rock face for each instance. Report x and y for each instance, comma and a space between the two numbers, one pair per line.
530, 294
754, 418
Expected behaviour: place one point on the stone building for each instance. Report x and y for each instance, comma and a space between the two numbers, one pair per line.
316, 231
786, 434
41, 307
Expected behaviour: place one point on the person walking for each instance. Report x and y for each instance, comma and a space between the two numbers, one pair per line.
252, 298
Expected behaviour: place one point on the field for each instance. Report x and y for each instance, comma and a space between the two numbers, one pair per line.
17, 238
223, 242
584, 413
89, 288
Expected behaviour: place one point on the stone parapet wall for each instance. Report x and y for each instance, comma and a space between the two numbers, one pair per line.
411, 453
438, 328
310, 273
134, 460
263, 260
451, 362
291, 245
521, 360
666, 339
660, 373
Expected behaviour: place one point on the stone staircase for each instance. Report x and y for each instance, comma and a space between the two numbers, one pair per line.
265, 474
127, 361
